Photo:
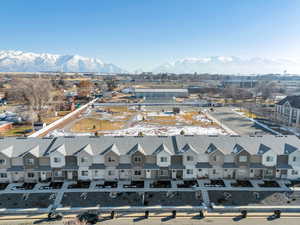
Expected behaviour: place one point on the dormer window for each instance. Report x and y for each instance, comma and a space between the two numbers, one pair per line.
83, 159
163, 159
111, 159
189, 171
137, 159
189, 158
57, 160
243, 158
2, 161
30, 161
269, 158
294, 159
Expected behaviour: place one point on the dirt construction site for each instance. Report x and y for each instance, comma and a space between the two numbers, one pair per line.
142, 120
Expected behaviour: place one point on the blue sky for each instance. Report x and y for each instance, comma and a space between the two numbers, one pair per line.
146, 33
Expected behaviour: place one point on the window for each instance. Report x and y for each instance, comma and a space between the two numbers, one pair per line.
137, 159
269, 172
2, 161
84, 173
269, 159
163, 159
110, 159
83, 159
164, 173
57, 160
189, 158
251, 171
58, 173
214, 158
30, 175
30, 161
243, 158
189, 171
294, 159
199, 170
137, 172
3, 175
111, 173
294, 172
214, 171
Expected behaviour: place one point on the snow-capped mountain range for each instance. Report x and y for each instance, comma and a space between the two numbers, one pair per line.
18, 61
231, 65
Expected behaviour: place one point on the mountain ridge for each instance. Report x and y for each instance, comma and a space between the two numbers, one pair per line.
19, 61
230, 65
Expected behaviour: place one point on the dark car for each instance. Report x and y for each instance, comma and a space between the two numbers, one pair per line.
88, 218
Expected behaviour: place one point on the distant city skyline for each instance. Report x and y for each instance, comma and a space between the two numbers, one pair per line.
140, 34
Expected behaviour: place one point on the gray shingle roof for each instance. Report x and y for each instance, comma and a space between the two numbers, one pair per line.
124, 166
229, 165
98, 166
200, 165
102, 144
294, 101
149, 166
177, 166
251, 144
15, 147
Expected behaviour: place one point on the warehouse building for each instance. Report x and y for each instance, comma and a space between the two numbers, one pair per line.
148, 93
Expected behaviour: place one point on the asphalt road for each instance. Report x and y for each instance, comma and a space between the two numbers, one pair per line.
235, 122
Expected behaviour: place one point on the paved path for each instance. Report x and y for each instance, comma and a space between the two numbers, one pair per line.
236, 122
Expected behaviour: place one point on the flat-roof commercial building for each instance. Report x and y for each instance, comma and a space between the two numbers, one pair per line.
160, 93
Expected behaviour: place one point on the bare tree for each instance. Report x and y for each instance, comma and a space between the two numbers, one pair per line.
37, 94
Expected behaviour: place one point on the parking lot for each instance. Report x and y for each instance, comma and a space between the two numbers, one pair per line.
255, 198
15, 201
163, 194
101, 199
173, 198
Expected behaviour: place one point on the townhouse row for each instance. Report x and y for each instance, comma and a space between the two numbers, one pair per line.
149, 157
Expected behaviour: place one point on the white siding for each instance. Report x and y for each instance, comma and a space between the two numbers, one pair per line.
163, 154
272, 154
81, 177
192, 154
202, 158
57, 164
291, 157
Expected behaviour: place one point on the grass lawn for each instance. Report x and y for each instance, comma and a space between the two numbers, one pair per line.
93, 125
